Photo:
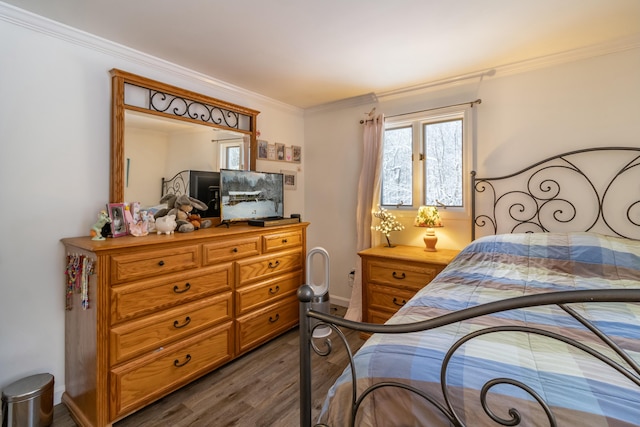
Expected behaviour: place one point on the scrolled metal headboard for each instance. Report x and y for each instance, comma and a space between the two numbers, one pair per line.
594, 189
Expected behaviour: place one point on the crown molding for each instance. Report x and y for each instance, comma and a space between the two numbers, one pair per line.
40, 24
354, 101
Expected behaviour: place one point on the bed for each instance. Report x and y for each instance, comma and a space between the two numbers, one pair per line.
535, 323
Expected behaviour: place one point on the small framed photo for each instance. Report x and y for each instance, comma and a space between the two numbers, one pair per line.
288, 154
279, 151
263, 149
271, 152
297, 153
290, 179
118, 223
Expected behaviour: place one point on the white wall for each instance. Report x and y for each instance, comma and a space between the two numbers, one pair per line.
524, 117
54, 169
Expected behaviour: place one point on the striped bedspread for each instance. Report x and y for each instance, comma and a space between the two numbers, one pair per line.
579, 389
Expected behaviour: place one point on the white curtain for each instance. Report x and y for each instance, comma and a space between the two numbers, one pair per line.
368, 199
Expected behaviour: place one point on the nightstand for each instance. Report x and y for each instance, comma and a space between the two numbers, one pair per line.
391, 276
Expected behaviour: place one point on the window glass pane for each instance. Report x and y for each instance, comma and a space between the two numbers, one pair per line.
397, 180
233, 157
443, 163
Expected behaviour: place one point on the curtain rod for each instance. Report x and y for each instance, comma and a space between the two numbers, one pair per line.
471, 104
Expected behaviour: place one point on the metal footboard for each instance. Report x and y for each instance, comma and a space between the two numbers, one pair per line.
310, 319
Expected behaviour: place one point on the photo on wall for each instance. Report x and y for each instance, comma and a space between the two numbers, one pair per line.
263, 149
290, 179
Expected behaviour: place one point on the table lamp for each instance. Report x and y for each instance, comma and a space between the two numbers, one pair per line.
429, 217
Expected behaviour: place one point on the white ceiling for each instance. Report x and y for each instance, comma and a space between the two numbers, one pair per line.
306, 53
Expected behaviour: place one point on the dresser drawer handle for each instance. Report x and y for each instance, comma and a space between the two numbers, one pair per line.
161, 263
395, 301
177, 324
274, 291
177, 363
284, 240
274, 319
177, 290
399, 276
274, 265
234, 250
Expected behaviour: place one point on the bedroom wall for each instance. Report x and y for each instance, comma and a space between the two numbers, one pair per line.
525, 116
54, 169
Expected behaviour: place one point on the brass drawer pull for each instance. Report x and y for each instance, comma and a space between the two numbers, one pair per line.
399, 276
177, 324
274, 291
395, 301
274, 265
177, 290
274, 319
177, 363
161, 263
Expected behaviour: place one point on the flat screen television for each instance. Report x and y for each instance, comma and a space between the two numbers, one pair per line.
205, 186
250, 195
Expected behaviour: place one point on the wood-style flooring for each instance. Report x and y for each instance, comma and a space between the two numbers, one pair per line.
260, 388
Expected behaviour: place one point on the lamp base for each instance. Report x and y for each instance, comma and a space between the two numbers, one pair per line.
430, 240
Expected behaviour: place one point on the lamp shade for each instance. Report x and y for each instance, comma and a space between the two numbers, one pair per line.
428, 216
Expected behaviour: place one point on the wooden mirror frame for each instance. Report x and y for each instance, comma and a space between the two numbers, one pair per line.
119, 80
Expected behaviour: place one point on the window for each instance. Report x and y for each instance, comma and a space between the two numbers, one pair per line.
231, 155
424, 160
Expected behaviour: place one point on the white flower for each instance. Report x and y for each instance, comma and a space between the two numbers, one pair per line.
388, 222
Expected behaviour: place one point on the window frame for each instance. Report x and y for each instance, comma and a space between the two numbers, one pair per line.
417, 121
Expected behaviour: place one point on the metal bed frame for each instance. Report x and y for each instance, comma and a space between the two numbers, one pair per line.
541, 204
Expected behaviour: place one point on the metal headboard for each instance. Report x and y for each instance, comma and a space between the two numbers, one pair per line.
594, 189
178, 184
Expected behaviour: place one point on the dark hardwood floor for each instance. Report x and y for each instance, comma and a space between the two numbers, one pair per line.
259, 389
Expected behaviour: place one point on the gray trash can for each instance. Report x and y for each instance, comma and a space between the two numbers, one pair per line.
28, 402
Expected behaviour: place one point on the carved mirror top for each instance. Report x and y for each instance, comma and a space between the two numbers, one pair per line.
134, 93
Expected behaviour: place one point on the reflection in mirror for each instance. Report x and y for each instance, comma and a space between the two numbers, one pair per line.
157, 148
212, 134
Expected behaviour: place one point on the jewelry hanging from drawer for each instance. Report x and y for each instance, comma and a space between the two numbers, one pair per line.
79, 268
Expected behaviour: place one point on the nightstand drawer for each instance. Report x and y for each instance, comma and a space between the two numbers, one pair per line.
156, 331
153, 263
148, 296
386, 298
401, 275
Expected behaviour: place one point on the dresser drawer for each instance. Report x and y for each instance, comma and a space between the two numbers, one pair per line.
263, 267
152, 263
152, 332
386, 298
144, 380
276, 242
217, 252
144, 297
259, 326
401, 275
257, 295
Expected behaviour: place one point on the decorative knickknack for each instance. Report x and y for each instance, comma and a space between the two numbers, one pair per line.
388, 223
429, 217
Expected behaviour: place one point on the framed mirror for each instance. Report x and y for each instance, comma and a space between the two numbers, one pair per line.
159, 130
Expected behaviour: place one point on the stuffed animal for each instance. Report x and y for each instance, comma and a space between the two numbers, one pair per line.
96, 229
181, 206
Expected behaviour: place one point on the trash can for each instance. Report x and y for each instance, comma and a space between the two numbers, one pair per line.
28, 402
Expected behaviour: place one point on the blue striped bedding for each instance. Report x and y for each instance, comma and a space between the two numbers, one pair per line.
579, 389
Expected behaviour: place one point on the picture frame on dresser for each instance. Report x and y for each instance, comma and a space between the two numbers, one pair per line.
118, 222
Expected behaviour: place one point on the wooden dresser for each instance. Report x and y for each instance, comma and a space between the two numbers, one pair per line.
391, 276
166, 309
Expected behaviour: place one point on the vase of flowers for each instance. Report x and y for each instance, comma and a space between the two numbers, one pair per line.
388, 223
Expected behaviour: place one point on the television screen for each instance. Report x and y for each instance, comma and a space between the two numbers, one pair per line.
247, 195
205, 186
